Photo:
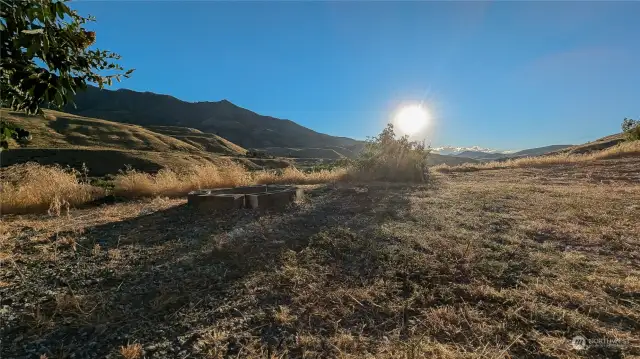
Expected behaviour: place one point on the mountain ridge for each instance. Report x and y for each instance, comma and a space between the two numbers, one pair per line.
232, 122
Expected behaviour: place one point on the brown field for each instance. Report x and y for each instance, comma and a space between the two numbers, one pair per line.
507, 263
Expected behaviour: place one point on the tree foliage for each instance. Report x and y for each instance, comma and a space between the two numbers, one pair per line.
46, 57
386, 157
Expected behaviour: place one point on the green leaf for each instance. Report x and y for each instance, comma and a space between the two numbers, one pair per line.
61, 9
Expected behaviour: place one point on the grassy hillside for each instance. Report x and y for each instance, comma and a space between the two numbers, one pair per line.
538, 151
63, 130
206, 142
106, 147
240, 126
101, 162
597, 145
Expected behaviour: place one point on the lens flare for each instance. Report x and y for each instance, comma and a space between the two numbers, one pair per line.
411, 119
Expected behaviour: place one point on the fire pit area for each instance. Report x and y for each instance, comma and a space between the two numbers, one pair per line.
253, 197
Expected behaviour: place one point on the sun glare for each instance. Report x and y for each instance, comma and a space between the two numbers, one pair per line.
411, 119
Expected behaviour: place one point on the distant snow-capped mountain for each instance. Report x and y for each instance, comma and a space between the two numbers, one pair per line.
454, 150
481, 153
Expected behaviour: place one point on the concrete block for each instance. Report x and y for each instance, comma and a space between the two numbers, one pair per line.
271, 199
278, 188
193, 198
260, 196
261, 188
217, 202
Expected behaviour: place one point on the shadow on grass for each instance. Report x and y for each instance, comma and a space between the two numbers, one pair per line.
165, 275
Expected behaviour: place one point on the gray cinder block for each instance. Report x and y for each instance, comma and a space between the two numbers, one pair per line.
217, 202
260, 196
271, 199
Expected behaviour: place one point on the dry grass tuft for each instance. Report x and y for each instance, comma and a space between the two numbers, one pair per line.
171, 183
131, 351
293, 175
31, 187
621, 150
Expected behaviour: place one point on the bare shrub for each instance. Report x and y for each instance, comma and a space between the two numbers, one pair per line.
388, 158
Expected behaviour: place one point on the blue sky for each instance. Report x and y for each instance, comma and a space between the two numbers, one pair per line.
506, 75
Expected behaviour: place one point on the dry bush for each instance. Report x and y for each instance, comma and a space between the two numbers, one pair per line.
620, 150
387, 158
31, 187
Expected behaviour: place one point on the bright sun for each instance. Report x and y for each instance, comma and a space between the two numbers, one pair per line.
411, 119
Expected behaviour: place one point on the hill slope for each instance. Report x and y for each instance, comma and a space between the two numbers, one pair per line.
207, 142
63, 130
538, 150
238, 125
106, 147
597, 145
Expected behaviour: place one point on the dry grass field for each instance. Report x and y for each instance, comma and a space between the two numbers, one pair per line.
506, 263
574, 155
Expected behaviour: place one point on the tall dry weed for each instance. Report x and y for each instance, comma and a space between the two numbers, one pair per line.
31, 187
292, 175
168, 182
